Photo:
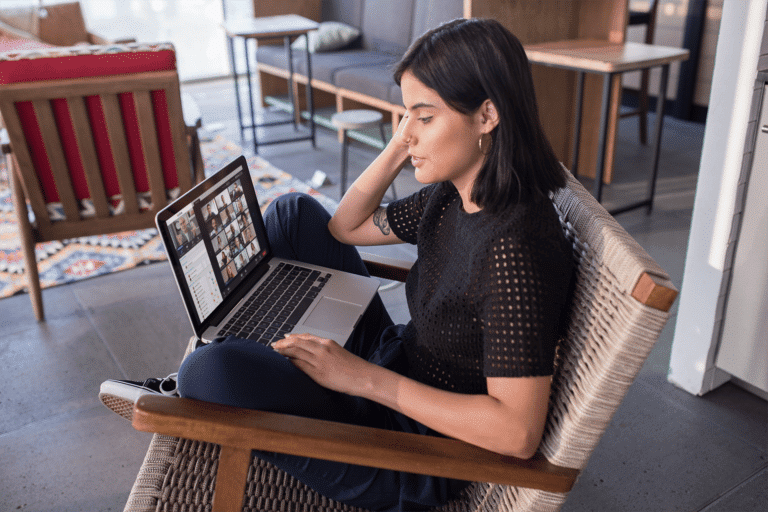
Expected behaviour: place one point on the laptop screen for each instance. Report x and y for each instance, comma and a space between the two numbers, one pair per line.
214, 238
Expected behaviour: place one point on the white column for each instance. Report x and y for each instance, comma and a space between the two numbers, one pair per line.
693, 349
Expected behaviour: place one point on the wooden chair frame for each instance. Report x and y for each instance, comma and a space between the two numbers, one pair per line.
26, 186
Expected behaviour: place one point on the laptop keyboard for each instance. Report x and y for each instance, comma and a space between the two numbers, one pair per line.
273, 310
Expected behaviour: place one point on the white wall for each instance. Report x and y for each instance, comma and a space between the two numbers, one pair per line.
693, 349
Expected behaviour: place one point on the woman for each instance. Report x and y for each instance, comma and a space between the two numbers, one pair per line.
486, 294
492, 204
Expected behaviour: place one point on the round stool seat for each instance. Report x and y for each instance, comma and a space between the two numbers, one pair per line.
356, 119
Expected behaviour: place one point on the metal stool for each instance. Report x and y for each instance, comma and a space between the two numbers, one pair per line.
356, 120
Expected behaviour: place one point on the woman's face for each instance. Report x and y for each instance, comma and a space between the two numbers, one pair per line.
443, 142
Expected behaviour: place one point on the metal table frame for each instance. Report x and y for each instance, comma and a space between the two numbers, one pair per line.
610, 60
286, 27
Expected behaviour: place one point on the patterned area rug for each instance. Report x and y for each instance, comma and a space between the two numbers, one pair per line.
82, 258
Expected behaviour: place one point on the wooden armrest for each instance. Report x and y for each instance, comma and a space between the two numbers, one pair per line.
386, 267
258, 430
654, 291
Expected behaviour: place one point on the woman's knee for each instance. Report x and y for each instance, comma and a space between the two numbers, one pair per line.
294, 220
297, 228
204, 374
295, 208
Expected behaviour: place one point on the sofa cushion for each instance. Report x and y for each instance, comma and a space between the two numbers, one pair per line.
324, 65
374, 81
387, 25
330, 36
395, 94
274, 56
428, 14
346, 11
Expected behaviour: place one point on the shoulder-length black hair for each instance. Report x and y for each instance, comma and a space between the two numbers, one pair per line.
467, 61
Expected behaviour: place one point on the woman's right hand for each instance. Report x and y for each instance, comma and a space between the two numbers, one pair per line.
399, 141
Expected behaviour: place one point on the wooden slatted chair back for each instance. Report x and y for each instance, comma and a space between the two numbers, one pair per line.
97, 141
97, 135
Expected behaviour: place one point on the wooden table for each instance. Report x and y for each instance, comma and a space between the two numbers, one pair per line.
286, 27
609, 60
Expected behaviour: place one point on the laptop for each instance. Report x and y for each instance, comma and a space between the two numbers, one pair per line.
230, 281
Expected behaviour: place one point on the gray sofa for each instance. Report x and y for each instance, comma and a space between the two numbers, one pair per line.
361, 75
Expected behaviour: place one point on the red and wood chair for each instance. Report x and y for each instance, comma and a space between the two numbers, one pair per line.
97, 141
201, 457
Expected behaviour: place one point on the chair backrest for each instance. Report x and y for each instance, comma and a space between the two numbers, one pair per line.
609, 335
97, 132
60, 24
647, 18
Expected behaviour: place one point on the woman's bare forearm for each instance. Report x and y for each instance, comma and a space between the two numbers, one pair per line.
511, 423
509, 419
363, 198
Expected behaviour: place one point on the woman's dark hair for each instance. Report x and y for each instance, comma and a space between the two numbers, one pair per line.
467, 61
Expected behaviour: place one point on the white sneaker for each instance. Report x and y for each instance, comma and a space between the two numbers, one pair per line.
120, 395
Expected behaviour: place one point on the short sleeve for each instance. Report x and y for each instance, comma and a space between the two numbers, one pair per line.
523, 298
404, 215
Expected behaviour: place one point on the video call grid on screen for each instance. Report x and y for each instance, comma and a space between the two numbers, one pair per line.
227, 225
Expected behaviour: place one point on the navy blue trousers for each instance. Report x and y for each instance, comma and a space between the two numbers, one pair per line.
243, 373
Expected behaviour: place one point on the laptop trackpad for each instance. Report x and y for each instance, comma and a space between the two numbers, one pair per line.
331, 313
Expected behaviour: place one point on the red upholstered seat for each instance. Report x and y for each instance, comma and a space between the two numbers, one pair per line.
78, 62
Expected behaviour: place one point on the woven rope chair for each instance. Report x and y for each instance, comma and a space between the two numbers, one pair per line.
620, 304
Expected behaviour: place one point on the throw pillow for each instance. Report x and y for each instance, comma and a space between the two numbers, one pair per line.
330, 36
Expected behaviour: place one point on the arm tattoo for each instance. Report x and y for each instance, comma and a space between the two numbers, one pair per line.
380, 220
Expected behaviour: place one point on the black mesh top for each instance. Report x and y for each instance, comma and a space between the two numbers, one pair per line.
487, 291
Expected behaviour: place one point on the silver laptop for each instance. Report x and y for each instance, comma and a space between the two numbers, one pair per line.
230, 282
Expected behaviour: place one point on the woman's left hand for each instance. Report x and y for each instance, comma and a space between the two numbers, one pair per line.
324, 361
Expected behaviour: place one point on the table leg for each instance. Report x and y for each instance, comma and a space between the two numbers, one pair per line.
250, 96
383, 146
291, 99
656, 147
604, 116
577, 128
344, 162
657, 132
310, 94
231, 41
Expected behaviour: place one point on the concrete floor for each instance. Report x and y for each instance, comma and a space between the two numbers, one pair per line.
61, 450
